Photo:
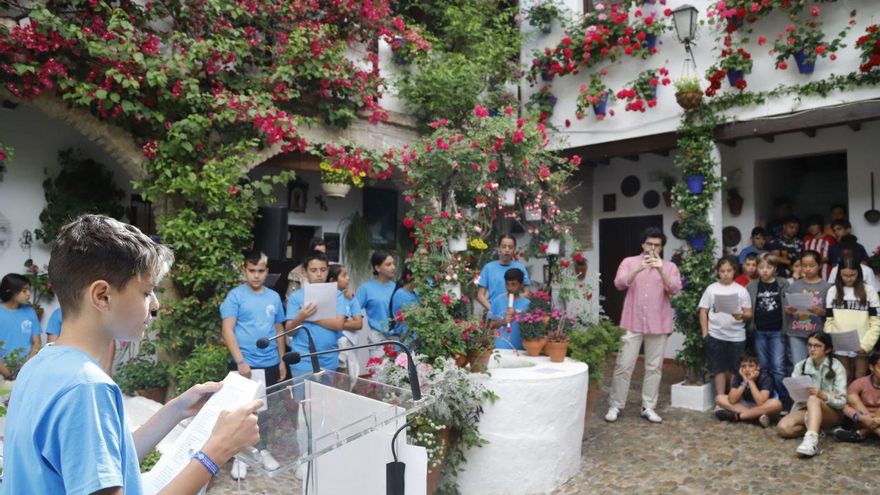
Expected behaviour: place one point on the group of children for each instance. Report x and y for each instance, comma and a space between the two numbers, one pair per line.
751, 349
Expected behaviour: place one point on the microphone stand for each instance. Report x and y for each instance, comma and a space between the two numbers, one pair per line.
292, 358
263, 343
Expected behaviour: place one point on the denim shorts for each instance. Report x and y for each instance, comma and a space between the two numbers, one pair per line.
724, 355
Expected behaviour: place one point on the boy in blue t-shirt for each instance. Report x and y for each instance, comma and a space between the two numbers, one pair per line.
502, 312
53, 328
751, 396
65, 427
19, 324
324, 332
759, 241
491, 283
251, 311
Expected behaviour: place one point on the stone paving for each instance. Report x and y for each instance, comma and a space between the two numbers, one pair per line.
690, 453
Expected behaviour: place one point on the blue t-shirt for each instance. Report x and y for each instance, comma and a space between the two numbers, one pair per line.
492, 278
747, 251
54, 325
65, 429
498, 311
325, 339
354, 306
401, 299
374, 298
256, 314
16, 329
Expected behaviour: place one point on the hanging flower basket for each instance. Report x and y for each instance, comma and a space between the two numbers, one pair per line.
735, 76
458, 244
694, 183
804, 67
508, 197
337, 191
552, 247
698, 241
689, 99
533, 214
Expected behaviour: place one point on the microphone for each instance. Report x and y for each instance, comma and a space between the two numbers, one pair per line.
263, 342
292, 358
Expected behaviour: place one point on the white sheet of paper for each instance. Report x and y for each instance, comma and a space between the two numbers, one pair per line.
727, 303
801, 302
259, 376
797, 387
846, 341
324, 297
237, 390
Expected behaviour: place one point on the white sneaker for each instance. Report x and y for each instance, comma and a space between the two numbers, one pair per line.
651, 416
612, 414
809, 446
239, 469
269, 462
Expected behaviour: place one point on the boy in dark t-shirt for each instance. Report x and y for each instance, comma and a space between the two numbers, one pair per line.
751, 396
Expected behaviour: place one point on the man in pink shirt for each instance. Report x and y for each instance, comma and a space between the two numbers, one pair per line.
649, 282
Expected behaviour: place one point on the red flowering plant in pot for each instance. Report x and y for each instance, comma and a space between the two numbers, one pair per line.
869, 47
641, 92
735, 64
804, 40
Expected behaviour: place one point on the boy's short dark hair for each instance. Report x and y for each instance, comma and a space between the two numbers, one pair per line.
751, 257
654, 232
791, 219
256, 257
97, 247
841, 222
514, 275
749, 358
314, 255
838, 206
759, 231
506, 236
873, 358
315, 242
11, 285
815, 219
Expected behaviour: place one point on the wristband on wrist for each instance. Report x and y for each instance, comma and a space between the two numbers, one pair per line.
206, 461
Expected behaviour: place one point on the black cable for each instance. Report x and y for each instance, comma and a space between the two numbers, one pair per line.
394, 438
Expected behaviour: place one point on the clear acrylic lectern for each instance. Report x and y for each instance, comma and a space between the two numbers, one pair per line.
335, 433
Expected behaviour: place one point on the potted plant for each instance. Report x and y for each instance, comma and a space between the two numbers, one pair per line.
479, 342
557, 345
688, 93
14, 361
595, 95
594, 344
542, 102
804, 40
647, 30
533, 328
41, 289
737, 64
734, 201
542, 14
336, 181
641, 92
145, 375
869, 48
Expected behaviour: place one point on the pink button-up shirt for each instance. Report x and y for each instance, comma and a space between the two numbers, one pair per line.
646, 308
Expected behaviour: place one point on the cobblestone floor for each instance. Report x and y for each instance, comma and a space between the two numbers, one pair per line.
690, 453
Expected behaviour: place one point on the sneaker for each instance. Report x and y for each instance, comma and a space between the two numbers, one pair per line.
269, 462
651, 416
845, 435
810, 445
725, 415
612, 414
764, 421
239, 470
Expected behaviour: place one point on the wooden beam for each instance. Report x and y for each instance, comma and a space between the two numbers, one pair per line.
632, 158
625, 148
810, 120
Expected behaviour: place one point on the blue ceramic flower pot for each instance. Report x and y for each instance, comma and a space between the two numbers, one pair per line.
734, 76
601, 107
698, 241
804, 67
694, 183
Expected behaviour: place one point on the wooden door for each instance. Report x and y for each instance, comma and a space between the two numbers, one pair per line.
618, 239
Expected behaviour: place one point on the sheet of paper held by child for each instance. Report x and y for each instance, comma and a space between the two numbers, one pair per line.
798, 387
727, 303
324, 297
236, 391
846, 341
800, 302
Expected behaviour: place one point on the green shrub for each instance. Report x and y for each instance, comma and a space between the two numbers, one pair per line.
594, 345
206, 363
142, 373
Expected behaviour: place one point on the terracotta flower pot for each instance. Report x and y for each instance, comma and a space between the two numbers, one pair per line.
534, 346
735, 205
436, 471
667, 198
154, 394
556, 351
460, 360
479, 360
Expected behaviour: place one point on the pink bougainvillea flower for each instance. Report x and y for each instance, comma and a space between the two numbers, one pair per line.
481, 111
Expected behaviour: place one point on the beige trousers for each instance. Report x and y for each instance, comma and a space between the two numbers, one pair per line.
626, 361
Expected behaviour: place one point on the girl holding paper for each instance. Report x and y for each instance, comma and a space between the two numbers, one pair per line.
851, 304
823, 408
800, 323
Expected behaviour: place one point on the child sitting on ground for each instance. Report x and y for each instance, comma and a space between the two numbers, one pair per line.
863, 405
751, 396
